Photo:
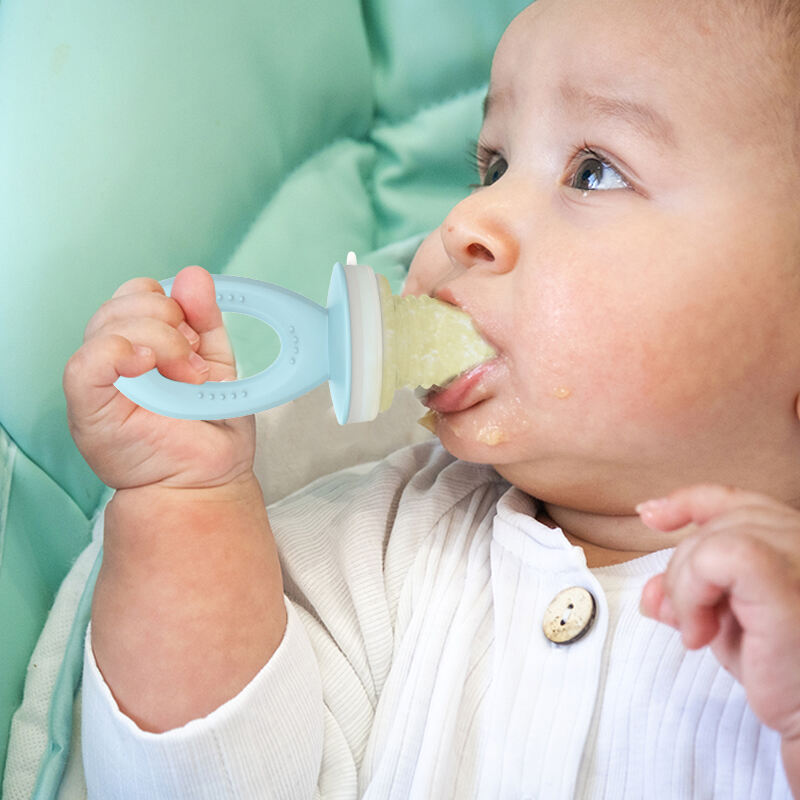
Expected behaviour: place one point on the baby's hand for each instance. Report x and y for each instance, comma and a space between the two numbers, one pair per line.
184, 336
734, 583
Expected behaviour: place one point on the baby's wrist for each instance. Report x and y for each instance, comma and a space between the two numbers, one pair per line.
163, 509
241, 487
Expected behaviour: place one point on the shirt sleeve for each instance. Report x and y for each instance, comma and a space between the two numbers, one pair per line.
300, 728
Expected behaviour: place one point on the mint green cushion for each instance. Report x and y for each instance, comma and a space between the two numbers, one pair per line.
262, 139
41, 531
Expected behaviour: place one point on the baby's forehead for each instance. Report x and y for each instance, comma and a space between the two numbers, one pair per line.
693, 64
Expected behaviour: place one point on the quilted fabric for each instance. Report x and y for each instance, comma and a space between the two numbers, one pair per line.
255, 137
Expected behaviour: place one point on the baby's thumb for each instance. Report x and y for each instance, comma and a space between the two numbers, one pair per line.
90, 374
195, 292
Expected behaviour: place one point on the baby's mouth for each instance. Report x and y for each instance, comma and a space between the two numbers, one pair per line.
463, 392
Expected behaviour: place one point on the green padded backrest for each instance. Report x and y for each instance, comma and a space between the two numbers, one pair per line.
255, 137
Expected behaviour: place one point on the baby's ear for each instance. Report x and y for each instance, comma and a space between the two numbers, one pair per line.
797, 406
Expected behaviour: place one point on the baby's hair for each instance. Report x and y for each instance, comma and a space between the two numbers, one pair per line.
786, 14
783, 17
779, 20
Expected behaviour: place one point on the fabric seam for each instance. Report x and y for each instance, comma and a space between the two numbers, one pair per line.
8, 454
24, 453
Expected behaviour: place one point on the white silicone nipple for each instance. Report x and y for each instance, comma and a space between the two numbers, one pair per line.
366, 336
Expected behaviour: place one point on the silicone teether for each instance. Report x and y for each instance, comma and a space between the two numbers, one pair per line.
366, 343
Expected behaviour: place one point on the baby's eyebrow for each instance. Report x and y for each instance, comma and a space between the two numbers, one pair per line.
641, 116
494, 98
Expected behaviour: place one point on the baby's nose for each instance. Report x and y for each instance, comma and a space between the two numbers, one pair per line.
479, 251
475, 234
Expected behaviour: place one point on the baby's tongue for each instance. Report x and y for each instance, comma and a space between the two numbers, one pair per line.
426, 343
458, 394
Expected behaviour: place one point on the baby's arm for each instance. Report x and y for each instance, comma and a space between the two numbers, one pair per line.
188, 604
734, 584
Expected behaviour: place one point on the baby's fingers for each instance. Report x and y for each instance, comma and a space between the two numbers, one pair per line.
139, 305
90, 374
174, 353
697, 618
693, 598
655, 602
697, 504
712, 575
129, 348
138, 286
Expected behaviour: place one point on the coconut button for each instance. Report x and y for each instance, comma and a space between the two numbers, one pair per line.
569, 616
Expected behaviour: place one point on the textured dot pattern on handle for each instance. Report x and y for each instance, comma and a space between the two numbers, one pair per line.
301, 365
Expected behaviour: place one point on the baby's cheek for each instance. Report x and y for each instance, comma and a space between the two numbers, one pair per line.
674, 374
614, 366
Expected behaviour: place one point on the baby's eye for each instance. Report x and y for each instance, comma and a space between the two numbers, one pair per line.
594, 173
487, 162
494, 171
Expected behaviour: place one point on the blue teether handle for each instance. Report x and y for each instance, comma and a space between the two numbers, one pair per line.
302, 364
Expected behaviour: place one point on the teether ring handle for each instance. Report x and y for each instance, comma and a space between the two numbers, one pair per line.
301, 325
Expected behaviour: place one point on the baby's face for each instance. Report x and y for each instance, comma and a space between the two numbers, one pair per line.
634, 256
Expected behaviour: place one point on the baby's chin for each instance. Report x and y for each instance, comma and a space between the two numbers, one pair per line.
479, 434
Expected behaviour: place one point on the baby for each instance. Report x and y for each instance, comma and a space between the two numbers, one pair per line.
512, 614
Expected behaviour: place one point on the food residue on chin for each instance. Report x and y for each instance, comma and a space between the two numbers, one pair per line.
428, 420
492, 435
562, 392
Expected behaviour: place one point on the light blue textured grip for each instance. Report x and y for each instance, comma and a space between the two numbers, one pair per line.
302, 364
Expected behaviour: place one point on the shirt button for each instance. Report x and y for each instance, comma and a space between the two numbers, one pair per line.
569, 616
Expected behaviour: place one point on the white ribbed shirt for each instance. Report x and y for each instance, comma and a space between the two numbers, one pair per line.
414, 666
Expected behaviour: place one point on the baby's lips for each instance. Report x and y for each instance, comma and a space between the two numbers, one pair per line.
461, 393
